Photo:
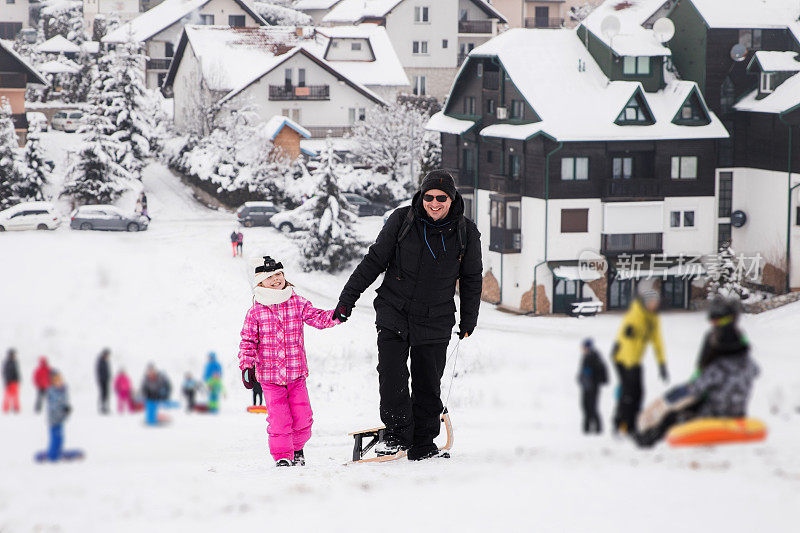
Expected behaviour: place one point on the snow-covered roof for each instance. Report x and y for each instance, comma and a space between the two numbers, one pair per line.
60, 67
386, 70
58, 45
633, 38
776, 61
783, 98
748, 13
443, 123
277, 123
354, 11
303, 5
579, 105
33, 75
162, 16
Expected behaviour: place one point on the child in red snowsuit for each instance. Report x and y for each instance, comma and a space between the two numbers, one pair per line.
272, 344
41, 379
122, 386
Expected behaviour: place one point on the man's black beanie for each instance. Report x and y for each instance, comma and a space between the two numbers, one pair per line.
439, 179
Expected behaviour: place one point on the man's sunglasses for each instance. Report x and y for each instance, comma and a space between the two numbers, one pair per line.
439, 197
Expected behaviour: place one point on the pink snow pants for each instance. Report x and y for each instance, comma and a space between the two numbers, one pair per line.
289, 417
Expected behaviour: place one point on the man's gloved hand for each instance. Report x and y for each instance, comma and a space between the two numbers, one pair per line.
248, 377
342, 312
462, 332
662, 371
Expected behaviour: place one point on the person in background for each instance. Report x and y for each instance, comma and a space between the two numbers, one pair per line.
640, 327
143, 200
152, 393
124, 390
103, 373
214, 385
11, 382
591, 376
239, 242
235, 241
189, 388
58, 409
212, 367
41, 380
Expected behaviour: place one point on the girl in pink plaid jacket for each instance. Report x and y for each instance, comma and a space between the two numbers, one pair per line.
272, 347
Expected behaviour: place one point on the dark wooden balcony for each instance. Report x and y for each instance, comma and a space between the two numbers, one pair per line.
505, 241
159, 63
12, 80
632, 188
543, 22
504, 184
20, 121
491, 80
307, 92
629, 243
474, 26
465, 177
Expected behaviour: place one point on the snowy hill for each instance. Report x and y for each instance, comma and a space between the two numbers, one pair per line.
174, 292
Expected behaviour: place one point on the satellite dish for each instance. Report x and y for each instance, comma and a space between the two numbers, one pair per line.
610, 26
664, 29
738, 52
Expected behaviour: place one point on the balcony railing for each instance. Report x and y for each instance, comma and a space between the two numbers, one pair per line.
505, 241
307, 92
20, 121
643, 243
320, 132
504, 184
474, 26
159, 63
491, 79
632, 188
543, 22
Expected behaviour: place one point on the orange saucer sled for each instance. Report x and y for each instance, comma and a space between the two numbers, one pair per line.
712, 431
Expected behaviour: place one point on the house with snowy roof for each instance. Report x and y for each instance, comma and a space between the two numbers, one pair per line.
316, 78
743, 56
431, 38
286, 136
316, 9
160, 29
122, 10
14, 15
571, 151
16, 75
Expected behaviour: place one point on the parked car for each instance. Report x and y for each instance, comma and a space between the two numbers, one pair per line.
29, 215
364, 207
256, 213
37, 118
68, 121
289, 221
106, 217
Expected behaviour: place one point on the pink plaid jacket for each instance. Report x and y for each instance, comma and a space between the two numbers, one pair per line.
272, 339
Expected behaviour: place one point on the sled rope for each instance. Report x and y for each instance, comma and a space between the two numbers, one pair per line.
453, 377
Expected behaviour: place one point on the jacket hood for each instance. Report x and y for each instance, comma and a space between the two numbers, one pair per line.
456, 209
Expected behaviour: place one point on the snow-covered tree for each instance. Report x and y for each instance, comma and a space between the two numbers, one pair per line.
63, 17
37, 168
579, 12
76, 87
332, 241
278, 13
11, 169
725, 274
431, 154
94, 175
389, 140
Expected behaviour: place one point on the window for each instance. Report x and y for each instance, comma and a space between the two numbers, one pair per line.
490, 107
480, 70
469, 105
684, 167
635, 112
688, 219
287, 77
462, 14
301, 77
725, 194
636, 66
513, 165
517, 109
678, 219
420, 88
512, 217
467, 164
9, 30
750, 39
444, 43
420, 14
236, 21
723, 235
355, 47
797, 216
767, 84
574, 220
622, 168
419, 47
169, 49
489, 156
207, 20
675, 219
293, 114
574, 168
356, 114
160, 78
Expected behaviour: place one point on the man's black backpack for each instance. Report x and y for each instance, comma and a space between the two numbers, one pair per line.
408, 223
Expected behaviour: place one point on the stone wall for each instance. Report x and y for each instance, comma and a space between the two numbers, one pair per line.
542, 302
491, 288
772, 303
774, 277
600, 289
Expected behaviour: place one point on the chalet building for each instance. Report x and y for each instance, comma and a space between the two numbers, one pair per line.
14, 16
431, 37
566, 147
15, 76
743, 57
316, 9
160, 29
319, 80
540, 13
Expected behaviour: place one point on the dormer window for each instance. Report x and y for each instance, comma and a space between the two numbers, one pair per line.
355, 46
692, 112
636, 66
635, 112
767, 84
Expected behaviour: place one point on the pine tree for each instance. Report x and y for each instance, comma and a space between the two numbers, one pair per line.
37, 168
725, 278
11, 170
332, 241
95, 176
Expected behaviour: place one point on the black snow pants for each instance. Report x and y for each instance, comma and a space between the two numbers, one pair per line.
103, 403
411, 420
591, 418
630, 398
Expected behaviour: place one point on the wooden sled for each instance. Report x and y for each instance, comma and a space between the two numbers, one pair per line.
376, 434
258, 409
713, 431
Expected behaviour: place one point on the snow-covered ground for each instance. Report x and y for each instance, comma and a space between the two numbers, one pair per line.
173, 293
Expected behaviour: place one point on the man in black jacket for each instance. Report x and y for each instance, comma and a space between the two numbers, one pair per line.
103, 371
591, 376
424, 249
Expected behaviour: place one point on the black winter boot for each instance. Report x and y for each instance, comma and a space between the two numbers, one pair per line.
299, 458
